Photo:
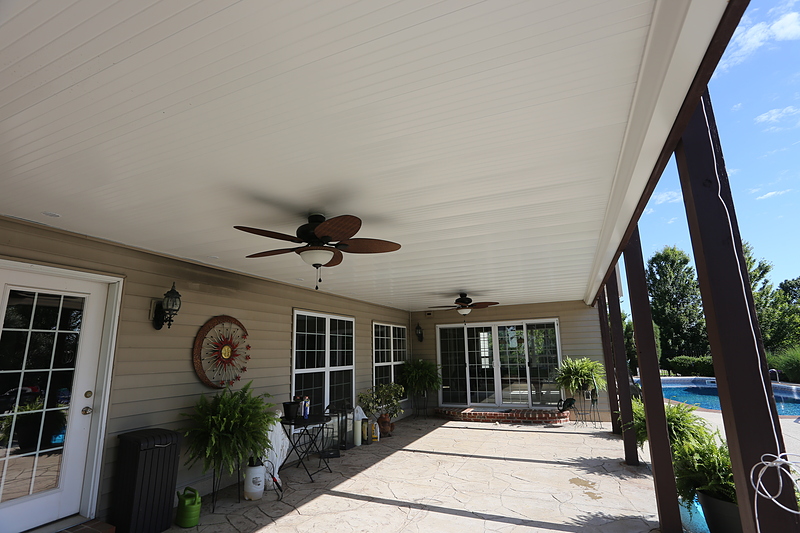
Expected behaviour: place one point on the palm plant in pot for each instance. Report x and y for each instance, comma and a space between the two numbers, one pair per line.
228, 429
383, 402
420, 377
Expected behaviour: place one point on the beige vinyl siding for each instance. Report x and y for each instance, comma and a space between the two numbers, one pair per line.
153, 378
579, 328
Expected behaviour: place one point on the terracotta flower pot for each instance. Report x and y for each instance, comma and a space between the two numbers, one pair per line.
385, 425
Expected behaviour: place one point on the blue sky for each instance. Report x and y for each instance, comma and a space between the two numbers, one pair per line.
755, 93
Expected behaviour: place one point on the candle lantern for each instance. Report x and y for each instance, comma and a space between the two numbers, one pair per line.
347, 428
331, 432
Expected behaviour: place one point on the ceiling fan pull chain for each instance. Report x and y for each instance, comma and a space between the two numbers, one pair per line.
319, 278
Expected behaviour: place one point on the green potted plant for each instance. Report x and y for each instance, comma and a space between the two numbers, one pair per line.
383, 401
703, 470
682, 424
420, 376
580, 374
228, 429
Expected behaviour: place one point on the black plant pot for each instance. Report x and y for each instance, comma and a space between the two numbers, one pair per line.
721, 516
291, 410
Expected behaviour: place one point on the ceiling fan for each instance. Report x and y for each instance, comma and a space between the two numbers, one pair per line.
464, 305
323, 240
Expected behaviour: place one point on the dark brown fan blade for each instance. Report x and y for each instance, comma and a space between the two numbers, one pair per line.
337, 258
270, 234
338, 228
367, 246
443, 307
481, 305
274, 252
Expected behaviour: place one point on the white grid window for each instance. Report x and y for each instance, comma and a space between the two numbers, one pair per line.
389, 353
323, 359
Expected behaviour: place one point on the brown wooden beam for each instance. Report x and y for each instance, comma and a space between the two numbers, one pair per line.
608, 359
650, 377
719, 42
623, 378
749, 414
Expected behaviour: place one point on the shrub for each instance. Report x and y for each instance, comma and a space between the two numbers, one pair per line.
787, 363
686, 365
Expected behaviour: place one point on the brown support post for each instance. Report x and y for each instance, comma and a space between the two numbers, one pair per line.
660, 454
608, 359
623, 381
751, 420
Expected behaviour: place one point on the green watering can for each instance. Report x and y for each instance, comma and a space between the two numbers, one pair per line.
188, 508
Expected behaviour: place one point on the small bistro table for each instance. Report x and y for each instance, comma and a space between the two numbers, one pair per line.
303, 434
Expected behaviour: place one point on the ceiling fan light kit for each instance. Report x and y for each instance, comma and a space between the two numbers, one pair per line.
316, 257
464, 310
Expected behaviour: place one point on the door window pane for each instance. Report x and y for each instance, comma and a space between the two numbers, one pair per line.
19, 309
513, 371
480, 351
454, 367
38, 349
543, 362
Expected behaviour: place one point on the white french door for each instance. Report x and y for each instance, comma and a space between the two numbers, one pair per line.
50, 347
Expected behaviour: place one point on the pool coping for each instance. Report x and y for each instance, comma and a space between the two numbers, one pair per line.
703, 380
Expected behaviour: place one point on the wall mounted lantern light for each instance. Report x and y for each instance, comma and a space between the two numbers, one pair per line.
418, 331
164, 310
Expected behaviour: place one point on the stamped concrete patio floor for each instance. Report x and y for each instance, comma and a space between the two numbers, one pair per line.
434, 475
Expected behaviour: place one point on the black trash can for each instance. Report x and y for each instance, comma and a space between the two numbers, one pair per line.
145, 480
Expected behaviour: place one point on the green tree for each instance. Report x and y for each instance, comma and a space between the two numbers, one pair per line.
777, 310
791, 288
676, 304
630, 343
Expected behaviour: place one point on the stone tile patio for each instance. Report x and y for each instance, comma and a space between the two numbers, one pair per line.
439, 476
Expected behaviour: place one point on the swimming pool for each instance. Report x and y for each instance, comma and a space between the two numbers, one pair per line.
702, 392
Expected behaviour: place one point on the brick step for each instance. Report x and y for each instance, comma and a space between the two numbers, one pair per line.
510, 416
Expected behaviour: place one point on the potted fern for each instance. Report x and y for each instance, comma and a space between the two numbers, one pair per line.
228, 429
421, 376
580, 374
703, 470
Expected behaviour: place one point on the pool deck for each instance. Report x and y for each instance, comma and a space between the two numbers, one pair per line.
790, 427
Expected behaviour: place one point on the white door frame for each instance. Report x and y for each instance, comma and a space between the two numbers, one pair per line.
102, 390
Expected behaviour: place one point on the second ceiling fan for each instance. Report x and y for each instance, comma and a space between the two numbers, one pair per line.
464, 304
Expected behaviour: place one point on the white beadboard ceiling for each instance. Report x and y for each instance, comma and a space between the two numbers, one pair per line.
504, 144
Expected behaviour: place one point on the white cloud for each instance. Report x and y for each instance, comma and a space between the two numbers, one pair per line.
732, 171
773, 193
783, 25
668, 197
753, 191
737, 107
776, 115
787, 28
673, 219
649, 211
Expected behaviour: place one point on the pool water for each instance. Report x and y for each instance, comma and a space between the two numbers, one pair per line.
705, 396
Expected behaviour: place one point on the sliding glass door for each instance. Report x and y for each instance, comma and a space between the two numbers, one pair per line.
500, 364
